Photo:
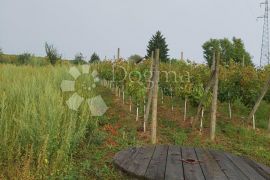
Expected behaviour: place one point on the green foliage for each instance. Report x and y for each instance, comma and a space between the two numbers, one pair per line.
199, 95
52, 53
24, 58
158, 42
179, 137
137, 90
1, 55
230, 51
135, 58
40, 136
209, 47
250, 86
79, 59
94, 58
39, 133
262, 115
171, 130
230, 83
246, 141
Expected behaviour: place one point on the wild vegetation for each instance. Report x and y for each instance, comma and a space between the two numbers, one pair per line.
41, 138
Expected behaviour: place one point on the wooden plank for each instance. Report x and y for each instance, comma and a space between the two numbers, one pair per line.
244, 167
227, 166
191, 171
174, 167
264, 167
122, 155
209, 165
139, 165
157, 166
261, 169
128, 158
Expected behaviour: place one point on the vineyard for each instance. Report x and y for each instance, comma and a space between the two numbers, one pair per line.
182, 81
42, 137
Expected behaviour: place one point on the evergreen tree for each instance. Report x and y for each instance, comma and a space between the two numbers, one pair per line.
94, 58
158, 42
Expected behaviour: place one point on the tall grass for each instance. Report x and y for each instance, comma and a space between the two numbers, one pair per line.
38, 132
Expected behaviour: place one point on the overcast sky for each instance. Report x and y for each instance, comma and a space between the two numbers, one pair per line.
104, 25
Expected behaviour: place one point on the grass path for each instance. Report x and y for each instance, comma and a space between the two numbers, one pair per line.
120, 130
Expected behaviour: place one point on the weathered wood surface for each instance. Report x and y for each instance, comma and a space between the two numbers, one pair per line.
185, 163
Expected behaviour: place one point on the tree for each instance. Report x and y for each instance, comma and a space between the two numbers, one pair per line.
230, 51
230, 85
135, 58
258, 102
239, 52
209, 47
23, 58
158, 42
52, 53
1, 53
94, 58
226, 50
79, 59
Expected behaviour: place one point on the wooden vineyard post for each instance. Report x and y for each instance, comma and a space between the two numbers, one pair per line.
130, 104
123, 93
243, 61
150, 93
113, 78
162, 96
207, 89
171, 97
185, 109
257, 104
269, 128
137, 112
155, 99
214, 100
230, 110
253, 122
201, 125
144, 107
182, 55
118, 53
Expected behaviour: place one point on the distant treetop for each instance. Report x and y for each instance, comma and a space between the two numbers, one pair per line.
94, 58
158, 41
135, 58
52, 53
229, 50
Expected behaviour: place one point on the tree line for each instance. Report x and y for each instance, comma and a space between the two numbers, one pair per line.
230, 51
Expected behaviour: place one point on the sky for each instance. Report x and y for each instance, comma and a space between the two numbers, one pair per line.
102, 26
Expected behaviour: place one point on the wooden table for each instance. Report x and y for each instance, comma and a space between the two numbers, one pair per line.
174, 162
